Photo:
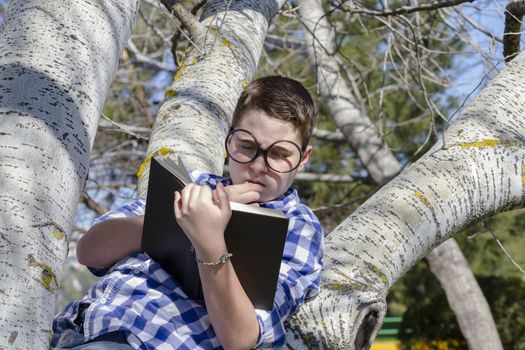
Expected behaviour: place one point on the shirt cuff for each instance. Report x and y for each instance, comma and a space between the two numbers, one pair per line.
261, 316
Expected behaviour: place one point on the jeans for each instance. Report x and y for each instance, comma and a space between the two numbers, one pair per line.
73, 340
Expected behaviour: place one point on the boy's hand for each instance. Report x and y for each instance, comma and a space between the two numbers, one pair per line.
245, 193
203, 216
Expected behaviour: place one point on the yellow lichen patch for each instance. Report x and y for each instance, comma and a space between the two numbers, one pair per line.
47, 276
226, 43
170, 92
382, 277
194, 60
58, 233
178, 74
423, 199
489, 143
244, 83
142, 166
523, 175
180, 70
343, 287
163, 151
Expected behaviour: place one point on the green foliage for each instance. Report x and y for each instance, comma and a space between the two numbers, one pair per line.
481, 249
506, 296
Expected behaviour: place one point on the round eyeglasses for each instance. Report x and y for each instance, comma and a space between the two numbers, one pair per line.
281, 156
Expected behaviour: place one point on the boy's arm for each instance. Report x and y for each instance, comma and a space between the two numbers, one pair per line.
110, 241
229, 309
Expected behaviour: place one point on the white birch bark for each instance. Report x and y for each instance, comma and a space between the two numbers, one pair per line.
477, 170
196, 114
475, 319
57, 60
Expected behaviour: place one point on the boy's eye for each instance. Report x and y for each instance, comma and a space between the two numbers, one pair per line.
279, 153
247, 145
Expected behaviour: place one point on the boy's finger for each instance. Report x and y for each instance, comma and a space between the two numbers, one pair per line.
249, 197
205, 193
245, 187
185, 198
193, 194
215, 196
245, 197
250, 186
224, 202
176, 204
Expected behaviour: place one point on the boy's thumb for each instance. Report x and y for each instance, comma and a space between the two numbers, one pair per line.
224, 202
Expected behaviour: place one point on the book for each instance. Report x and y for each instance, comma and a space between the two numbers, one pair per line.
254, 235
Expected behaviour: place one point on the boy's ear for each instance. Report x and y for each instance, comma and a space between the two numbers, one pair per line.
306, 156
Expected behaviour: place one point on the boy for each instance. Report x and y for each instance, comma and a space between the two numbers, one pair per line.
139, 305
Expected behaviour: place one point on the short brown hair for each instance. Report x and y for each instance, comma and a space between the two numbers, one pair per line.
282, 98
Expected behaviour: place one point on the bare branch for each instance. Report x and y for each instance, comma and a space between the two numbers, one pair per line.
478, 27
328, 135
333, 178
512, 260
108, 124
139, 56
91, 204
188, 20
355, 7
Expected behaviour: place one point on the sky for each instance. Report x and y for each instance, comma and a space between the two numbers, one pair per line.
477, 71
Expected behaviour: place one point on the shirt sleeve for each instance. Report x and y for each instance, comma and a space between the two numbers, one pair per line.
299, 278
135, 207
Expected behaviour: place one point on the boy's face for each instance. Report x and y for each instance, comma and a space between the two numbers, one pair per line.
266, 130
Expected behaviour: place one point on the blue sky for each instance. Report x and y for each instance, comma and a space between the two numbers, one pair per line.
473, 76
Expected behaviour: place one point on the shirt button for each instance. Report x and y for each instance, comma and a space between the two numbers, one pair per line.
102, 300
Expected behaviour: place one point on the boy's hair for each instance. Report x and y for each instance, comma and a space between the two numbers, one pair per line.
282, 98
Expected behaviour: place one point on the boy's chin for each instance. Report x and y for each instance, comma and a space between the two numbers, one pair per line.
268, 197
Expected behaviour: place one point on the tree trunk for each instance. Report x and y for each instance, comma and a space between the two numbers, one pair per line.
359, 131
57, 61
196, 114
475, 171
447, 260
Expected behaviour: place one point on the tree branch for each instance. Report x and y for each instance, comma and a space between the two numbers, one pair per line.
187, 20
511, 37
355, 7
176, 36
91, 204
328, 135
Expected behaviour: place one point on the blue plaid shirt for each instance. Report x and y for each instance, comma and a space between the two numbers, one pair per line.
138, 297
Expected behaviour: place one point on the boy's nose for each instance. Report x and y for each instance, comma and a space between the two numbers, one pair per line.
259, 164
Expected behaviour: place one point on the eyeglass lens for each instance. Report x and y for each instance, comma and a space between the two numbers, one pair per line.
281, 156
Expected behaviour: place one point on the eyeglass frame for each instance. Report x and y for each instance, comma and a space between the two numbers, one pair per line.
264, 151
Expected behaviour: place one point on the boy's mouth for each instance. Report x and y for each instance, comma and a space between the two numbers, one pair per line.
253, 181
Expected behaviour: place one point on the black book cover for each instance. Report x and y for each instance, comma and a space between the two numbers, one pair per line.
255, 236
